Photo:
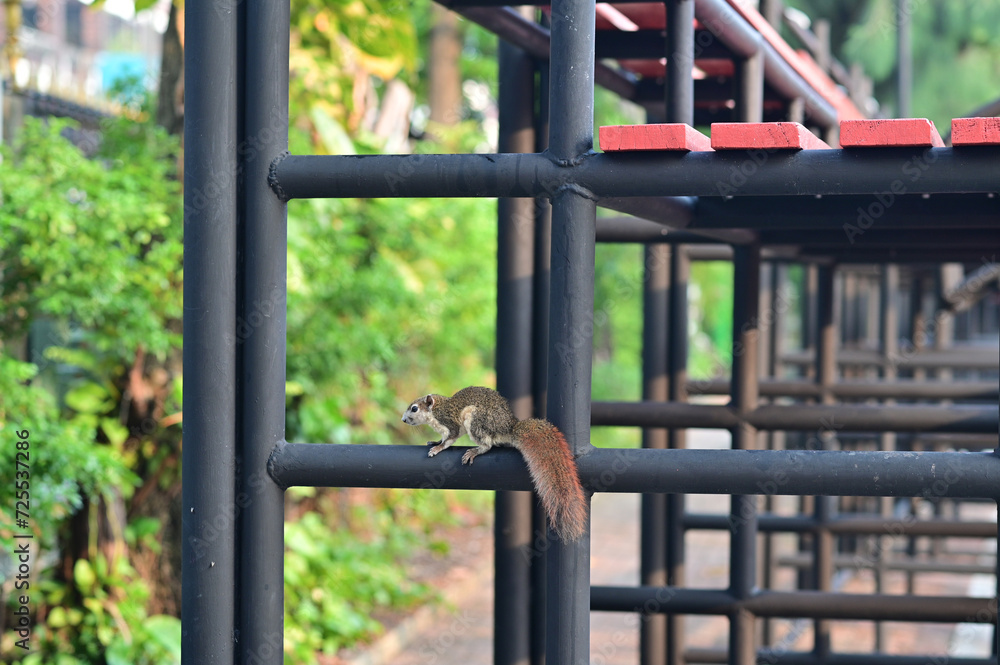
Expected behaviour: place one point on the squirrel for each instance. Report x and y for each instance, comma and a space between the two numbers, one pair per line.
486, 416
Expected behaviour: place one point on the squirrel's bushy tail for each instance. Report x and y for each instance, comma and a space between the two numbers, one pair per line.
554, 474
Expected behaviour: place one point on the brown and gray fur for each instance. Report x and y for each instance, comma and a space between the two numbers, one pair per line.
486, 416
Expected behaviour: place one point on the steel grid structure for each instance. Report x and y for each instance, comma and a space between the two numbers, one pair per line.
237, 464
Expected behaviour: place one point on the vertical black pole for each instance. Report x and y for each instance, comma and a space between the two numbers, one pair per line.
889, 326
209, 463
743, 512
904, 58
262, 335
515, 284
208, 547
653, 512
571, 130
746, 296
826, 368
680, 108
540, 355
680, 273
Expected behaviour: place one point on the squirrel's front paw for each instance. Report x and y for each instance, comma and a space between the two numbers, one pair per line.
469, 456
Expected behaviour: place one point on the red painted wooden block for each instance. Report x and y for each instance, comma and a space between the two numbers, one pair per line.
764, 135
673, 136
975, 131
892, 133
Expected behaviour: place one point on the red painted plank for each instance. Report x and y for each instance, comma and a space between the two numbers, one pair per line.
672, 136
975, 131
891, 133
764, 135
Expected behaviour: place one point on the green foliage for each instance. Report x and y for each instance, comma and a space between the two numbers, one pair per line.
407, 288
65, 466
335, 582
90, 273
101, 613
711, 312
336, 47
956, 50
92, 241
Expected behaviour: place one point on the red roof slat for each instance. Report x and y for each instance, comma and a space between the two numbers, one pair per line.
764, 135
889, 133
667, 136
975, 131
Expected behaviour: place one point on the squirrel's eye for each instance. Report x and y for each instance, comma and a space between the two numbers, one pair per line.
413, 409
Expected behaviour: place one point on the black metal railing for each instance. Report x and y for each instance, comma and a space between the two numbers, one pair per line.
550, 182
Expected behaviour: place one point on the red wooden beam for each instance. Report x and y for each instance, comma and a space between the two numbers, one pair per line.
671, 136
764, 135
891, 133
975, 131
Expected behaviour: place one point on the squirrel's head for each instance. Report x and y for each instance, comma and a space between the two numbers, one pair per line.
419, 410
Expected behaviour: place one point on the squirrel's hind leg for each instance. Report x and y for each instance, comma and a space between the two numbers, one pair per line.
478, 435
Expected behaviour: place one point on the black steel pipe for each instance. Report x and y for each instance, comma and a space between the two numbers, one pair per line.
794, 604
778, 657
984, 358
571, 138
850, 525
510, 26
856, 219
515, 285
653, 508
839, 418
784, 472
854, 389
725, 22
638, 230
610, 175
904, 565
262, 349
208, 543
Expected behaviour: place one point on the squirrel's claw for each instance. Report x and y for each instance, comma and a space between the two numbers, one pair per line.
469, 456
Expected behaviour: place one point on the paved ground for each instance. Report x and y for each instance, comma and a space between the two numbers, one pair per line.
462, 632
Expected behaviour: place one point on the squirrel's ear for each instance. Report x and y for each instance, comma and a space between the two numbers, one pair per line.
429, 401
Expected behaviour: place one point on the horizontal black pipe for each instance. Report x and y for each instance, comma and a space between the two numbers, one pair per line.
859, 217
852, 525
838, 417
676, 212
778, 657
985, 357
609, 175
900, 389
794, 604
791, 472
536, 41
637, 230
900, 254
861, 561
963, 239
725, 22
647, 44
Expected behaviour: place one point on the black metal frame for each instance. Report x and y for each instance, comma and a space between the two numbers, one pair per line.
237, 464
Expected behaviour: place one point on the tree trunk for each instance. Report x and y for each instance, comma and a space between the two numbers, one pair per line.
170, 100
444, 75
